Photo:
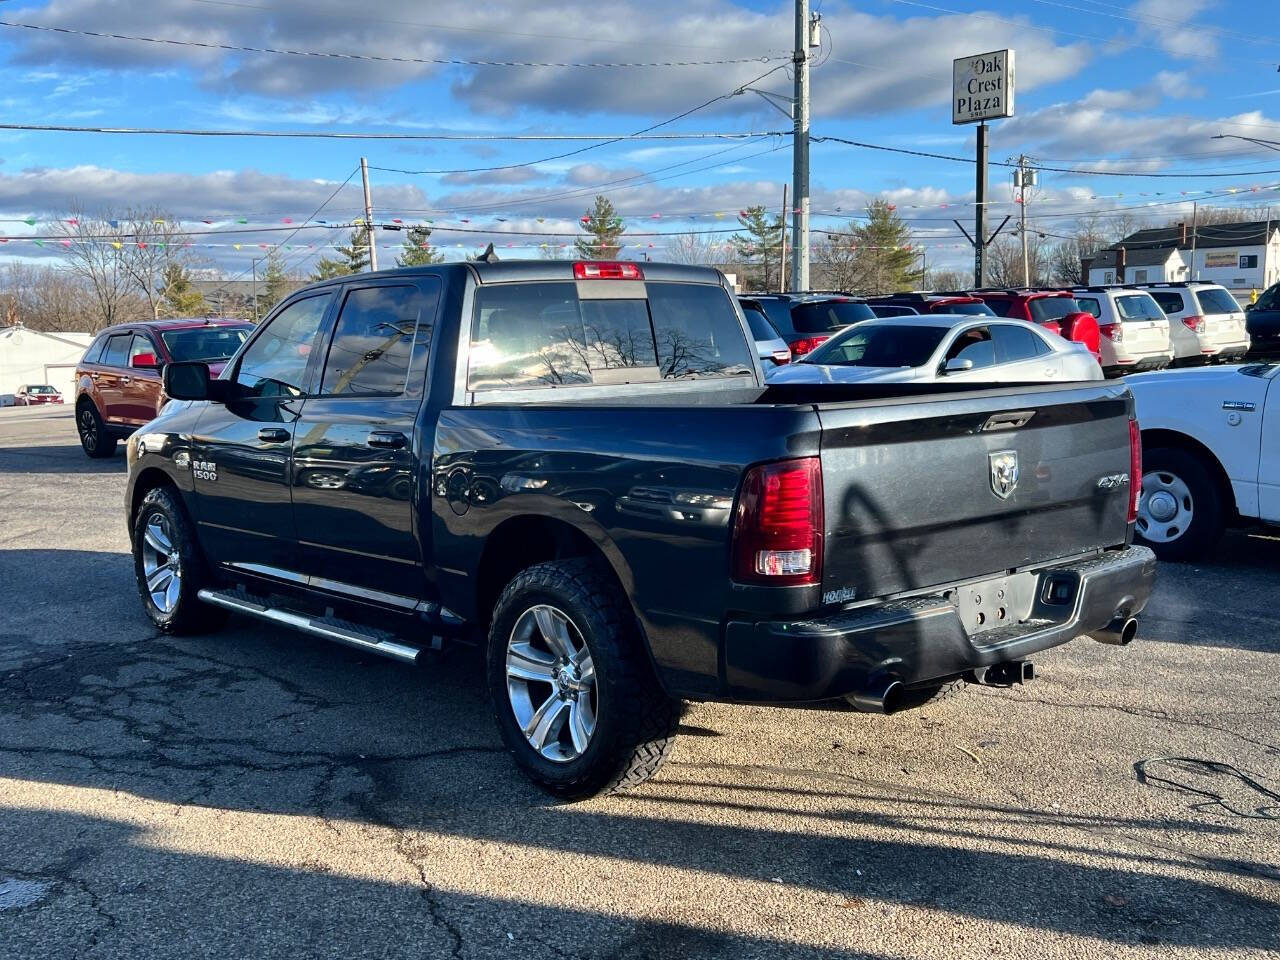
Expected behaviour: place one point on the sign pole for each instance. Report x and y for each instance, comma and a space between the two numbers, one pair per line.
980, 212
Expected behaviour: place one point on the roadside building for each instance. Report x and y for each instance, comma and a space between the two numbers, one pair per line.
1240, 256
32, 356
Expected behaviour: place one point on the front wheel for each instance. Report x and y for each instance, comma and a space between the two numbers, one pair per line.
169, 567
1181, 514
575, 697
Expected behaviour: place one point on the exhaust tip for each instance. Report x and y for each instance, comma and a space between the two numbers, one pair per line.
1120, 632
881, 698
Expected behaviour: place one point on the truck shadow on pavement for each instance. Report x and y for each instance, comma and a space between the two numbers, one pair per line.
59, 458
249, 722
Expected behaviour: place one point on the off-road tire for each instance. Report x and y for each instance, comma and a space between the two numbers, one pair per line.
94, 438
190, 614
1208, 517
635, 720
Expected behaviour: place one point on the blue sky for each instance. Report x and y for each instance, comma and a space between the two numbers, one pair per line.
1139, 87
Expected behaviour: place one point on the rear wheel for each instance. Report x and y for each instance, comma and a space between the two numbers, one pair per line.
169, 567
94, 438
1181, 514
574, 695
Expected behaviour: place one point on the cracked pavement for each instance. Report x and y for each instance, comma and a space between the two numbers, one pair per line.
254, 793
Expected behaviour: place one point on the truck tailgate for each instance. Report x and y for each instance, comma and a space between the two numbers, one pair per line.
930, 490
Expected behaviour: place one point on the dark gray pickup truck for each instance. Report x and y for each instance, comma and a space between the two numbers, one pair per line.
580, 467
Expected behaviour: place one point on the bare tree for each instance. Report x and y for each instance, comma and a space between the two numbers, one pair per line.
694, 249
93, 248
45, 298
1004, 261
949, 280
155, 247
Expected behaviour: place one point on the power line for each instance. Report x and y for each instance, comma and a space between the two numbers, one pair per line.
1152, 20
334, 135
594, 146
372, 57
1185, 175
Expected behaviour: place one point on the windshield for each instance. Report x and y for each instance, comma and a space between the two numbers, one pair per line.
761, 328
1053, 308
41, 389
1216, 300
827, 315
880, 346
1138, 306
204, 343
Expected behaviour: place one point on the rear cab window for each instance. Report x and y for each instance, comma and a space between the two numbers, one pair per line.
553, 334
1216, 300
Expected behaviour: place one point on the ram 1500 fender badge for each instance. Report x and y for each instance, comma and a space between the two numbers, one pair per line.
204, 469
1113, 481
1004, 472
1245, 405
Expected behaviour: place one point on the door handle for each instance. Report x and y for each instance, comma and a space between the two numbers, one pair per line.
387, 439
126, 380
273, 435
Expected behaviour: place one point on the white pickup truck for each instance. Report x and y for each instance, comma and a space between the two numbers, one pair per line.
1210, 452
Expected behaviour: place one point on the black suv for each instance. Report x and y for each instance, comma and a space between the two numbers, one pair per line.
1262, 320
807, 319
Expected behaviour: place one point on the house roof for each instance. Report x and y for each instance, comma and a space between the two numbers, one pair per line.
69, 338
1250, 234
1106, 259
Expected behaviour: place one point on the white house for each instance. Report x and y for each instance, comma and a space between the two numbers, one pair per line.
1240, 256
31, 356
1155, 265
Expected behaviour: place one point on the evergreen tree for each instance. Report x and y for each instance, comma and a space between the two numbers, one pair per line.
760, 248
885, 259
604, 230
418, 251
275, 284
353, 258
180, 299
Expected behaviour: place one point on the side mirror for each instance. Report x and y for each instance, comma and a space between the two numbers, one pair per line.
957, 365
188, 381
1249, 306
144, 361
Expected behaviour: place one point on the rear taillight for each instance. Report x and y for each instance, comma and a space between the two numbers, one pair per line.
777, 530
1112, 331
607, 270
781, 356
1194, 323
1135, 470
805, 344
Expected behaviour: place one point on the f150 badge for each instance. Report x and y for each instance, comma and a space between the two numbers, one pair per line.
204, 469
1004, 473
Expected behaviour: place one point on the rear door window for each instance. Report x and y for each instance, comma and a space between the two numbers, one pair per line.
976, 345
373, 341
1170, 302
1215, 300
1014, 343
116, 353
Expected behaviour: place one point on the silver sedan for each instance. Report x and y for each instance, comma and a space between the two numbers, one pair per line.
950, 347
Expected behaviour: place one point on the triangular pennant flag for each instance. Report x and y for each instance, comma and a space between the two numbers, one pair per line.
30, 221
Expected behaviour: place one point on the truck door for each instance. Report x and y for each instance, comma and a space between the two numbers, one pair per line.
356, 458
1269, 461
241, 449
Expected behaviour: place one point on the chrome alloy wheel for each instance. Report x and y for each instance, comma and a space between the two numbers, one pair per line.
551, 683
161, 565
88, 428
1166, 509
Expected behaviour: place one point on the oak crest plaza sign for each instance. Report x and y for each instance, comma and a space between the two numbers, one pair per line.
982, 87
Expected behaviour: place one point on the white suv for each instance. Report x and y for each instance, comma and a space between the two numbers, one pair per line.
1205, 322
1135, 331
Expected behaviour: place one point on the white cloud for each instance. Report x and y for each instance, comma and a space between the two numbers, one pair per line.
1169, 22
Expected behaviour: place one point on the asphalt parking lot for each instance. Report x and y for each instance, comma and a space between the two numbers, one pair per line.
254, 794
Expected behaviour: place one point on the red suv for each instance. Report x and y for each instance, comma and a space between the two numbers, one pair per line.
118, 386
1055, 310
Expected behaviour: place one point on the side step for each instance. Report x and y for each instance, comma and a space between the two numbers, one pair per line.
329, 628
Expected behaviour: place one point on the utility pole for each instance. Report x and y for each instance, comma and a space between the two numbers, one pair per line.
1024, 177
253, 265
1195, 207
800, 150
782, 259
368, 214
980, 212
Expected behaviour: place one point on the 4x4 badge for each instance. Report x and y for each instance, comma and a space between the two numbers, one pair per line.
1004, 472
